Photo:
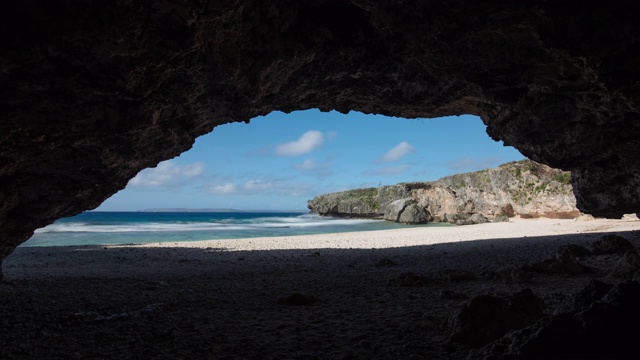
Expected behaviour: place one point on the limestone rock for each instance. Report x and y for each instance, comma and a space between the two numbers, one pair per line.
478, 219
470, 219
395, 208
362, 203
501, 218
406, 211
523, 187
414, 214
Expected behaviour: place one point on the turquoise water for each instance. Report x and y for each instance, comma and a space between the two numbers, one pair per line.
103, 228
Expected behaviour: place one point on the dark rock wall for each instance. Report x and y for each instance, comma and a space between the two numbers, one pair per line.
93, 91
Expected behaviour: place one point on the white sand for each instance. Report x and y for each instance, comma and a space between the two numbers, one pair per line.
415, 236
481, 246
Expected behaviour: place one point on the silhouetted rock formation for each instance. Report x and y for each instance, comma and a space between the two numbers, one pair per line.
92, 92
487, 318
591, 327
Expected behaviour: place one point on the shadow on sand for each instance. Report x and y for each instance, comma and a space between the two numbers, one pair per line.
172, 303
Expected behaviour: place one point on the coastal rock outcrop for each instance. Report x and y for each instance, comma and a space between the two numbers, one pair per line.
406, 211
524, 188
92, 92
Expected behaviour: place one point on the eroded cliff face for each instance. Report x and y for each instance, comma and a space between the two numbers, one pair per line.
92, 92
523, 188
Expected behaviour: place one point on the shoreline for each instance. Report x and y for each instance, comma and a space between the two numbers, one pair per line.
503, 242
224, 298
411, 236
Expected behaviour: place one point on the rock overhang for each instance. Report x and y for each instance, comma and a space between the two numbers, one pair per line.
95, 91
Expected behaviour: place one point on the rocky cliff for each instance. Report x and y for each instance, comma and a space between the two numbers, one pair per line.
524, 188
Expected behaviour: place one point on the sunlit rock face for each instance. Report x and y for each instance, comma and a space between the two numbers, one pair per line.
94, 91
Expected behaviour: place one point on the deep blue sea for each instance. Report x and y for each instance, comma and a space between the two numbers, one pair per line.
103, 228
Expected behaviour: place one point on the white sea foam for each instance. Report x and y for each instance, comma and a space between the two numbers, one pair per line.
303, 221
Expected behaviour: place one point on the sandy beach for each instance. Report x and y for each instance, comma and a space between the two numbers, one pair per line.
335, 296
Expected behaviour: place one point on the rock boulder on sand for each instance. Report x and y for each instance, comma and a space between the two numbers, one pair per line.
406, 211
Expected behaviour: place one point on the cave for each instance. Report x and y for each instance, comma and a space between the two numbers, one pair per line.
92, 92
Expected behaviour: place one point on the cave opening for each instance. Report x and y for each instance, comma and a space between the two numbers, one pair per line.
272, 167
279, 161
93, 92
375, 296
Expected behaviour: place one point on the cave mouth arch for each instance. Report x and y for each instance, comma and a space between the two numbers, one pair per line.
277, 163
92, 92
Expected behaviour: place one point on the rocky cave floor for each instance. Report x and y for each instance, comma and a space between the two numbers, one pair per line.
403, 303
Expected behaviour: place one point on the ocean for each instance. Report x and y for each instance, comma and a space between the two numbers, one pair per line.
104, 228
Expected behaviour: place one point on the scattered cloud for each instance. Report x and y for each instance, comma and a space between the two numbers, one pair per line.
280, 187
305, 144
311, 167
167, 174
257, 186
221, 189
473, 164
389, 170
308, 164
331, 135
397, 152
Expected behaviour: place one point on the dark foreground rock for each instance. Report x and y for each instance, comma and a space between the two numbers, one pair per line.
611, 244
298, 299
486, 318
591, 329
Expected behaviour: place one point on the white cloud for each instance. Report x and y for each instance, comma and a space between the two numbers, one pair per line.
305, 144
308, 164
311, 167
278, 187
398, 152
257, 185
222, 189
390, 170
167, 174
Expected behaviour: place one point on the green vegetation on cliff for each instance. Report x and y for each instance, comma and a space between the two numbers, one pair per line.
523, 187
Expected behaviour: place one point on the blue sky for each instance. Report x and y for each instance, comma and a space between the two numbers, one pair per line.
279, 161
